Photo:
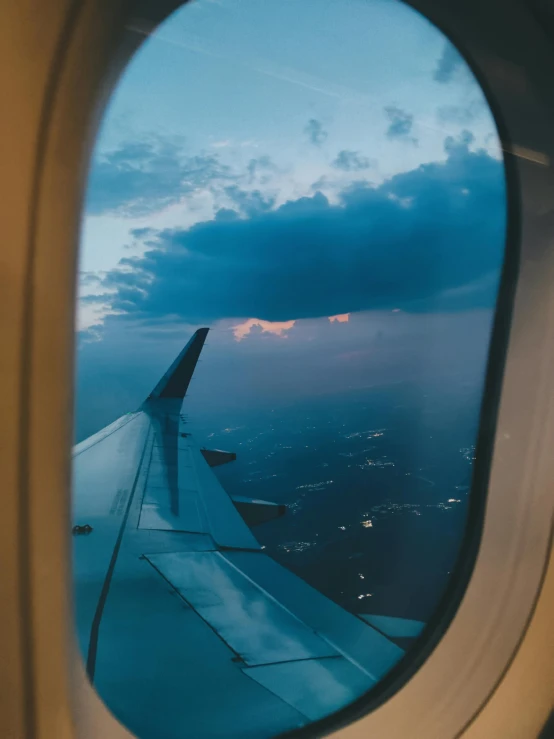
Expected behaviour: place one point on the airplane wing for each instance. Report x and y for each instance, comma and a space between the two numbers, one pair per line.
186, 624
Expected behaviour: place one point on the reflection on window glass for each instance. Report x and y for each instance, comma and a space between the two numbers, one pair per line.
320, 185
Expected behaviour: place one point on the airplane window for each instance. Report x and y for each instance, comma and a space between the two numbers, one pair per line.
291, 249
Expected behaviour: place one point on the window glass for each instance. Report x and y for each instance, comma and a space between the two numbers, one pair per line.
320, 184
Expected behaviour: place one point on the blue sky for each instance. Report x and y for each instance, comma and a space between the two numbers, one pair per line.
264, 167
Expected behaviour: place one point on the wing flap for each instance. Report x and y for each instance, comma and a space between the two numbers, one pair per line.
255, 626
315, 687
396, 628
307, 651
356, 640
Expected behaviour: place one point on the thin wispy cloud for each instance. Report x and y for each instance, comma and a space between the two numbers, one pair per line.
87, 279
351, 161
463, 115
448, 64
400, 124
249, 202
260, 168
315, 132
261, 66
143, 177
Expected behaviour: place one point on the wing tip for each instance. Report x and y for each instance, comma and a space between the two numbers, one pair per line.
175, 382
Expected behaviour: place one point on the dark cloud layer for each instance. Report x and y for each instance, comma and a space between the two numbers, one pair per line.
140, 178
400, 123
427, 239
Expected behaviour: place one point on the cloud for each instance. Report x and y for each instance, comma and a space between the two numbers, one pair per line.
142, 233
351, 161
95, 298
249, 202
404, 244
278, 328
260, 167
321, 183
452, 144
315, 132
143, 177
87, 279
342, 318
461, 114
401, 123
448, 64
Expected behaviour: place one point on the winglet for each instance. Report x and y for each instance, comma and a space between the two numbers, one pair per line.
175, 382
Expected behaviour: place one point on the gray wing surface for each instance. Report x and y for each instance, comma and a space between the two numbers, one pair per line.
186, 625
